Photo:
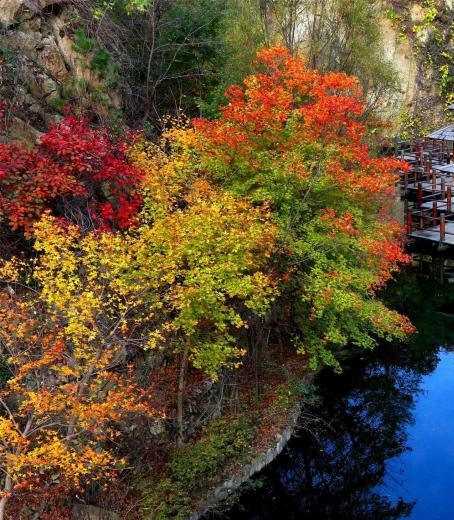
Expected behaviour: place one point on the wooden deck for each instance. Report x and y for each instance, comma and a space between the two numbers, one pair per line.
433, 234
427, 188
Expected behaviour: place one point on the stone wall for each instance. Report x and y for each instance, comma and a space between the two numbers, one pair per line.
228, 487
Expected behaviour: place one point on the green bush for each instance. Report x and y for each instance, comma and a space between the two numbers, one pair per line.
195, 468
82, 43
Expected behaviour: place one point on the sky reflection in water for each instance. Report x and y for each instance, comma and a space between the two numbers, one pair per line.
428, 469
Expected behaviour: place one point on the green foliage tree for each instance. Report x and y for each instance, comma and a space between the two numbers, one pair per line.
174, 55
241, 34
291, 139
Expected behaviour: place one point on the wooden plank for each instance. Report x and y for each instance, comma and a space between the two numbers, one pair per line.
433, 234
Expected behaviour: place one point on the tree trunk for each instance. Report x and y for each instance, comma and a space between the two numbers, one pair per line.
7, 489
180, 396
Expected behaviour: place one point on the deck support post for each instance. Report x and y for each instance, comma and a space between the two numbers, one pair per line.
427, 170
409, 222
419, 194
442, 227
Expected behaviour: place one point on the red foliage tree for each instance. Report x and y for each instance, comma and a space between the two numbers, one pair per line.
79, 173
292, 139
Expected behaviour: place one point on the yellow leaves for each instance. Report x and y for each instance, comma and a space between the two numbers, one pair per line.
155, 340
200, 260
43, 402
10, 436
168, 169
64, 370
52, 454
183, 277
83, 281
204, 250
12, 270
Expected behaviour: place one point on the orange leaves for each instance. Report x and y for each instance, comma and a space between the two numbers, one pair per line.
384, 250
289, 108
340, 223
274, 58
390, 321
327, 103
64, 342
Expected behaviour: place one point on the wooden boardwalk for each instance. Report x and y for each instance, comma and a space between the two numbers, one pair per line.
427, 190
433, 234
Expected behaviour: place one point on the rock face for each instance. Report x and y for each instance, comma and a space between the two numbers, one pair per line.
418, 37
40, 71
83, 512
400, 53
13, 11
9, 10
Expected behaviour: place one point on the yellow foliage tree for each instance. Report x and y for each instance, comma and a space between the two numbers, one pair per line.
185, 281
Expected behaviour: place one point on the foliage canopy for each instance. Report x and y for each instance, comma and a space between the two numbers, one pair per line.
275, 211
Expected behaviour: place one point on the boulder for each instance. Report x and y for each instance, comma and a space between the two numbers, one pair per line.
13, 11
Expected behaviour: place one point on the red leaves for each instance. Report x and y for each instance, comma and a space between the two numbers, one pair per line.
293, 138
328, 103
339, 223
76, 172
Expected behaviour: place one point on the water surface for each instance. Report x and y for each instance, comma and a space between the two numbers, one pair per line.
426, 473
382, 447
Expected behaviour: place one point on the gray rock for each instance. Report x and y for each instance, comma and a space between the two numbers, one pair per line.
9, 11
84, 512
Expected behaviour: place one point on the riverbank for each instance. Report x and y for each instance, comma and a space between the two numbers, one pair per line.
382, 416
225, 494
209, 470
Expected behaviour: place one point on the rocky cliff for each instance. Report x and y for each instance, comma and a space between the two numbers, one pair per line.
418, 36
43, 68
41, 71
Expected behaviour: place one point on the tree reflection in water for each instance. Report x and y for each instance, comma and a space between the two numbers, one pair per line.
336, 470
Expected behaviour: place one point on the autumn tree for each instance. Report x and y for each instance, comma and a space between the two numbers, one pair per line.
211, 253
65, 340
184, 281
276, 209
291, 139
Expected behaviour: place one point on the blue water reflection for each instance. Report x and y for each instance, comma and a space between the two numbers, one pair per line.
426, 472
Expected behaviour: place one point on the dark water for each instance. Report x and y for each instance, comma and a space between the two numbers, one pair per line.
382, 446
